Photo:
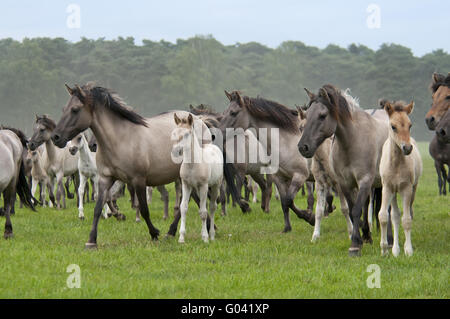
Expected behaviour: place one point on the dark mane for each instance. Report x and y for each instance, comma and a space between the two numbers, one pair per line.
203, 109
19, 133
46, 121
441, 81
112, 101
268, 110
335, 102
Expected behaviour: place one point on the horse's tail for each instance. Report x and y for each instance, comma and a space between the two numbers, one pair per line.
23, 189
229, 171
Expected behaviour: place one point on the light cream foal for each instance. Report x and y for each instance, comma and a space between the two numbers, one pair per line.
400, 169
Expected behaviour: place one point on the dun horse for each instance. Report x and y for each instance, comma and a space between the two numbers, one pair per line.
131, 148
246, 112
12, 174
355, 152
400, 169
440, 88
439, 149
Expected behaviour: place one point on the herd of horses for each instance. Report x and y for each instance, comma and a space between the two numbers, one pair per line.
330, 145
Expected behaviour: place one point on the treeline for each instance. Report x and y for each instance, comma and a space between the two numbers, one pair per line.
158, 76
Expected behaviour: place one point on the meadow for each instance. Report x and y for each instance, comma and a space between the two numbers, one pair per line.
250, 257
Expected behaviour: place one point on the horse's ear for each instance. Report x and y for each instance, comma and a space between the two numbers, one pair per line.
324, 94
80, 91
310, 94
69, 89
191, 107
37, 117
228, 95
436, 77
176, 118
388, 108
190, 119
382, 103
301, 113
409, 108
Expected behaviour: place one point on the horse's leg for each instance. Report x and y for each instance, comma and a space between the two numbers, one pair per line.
310, 188
361, 199
203, 211
320, 208
365, 226
345, 212
246, 188
265, 196
94, 189
371, 208
214, 193
296, 182
387, 196
104, 185
141, 193
8, 195
223, 199
176, 210
444, 179
186, 195
42, 193
60, 192
438, 165
282, 191
86, 192
165, 198
50, 188
408, 199
67, 186
303, 190
395, 218
134, 200
83, 181
34, 185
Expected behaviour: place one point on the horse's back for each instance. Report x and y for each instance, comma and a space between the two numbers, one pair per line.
10, 156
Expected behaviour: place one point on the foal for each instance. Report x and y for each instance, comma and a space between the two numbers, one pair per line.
87, 168
39, 177
201, 167
400, 169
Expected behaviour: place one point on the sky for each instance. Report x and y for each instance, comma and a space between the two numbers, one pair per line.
422, 26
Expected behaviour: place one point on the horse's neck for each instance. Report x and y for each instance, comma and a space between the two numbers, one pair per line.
396, 156
52, 152
85, 154
37, 166
105, 126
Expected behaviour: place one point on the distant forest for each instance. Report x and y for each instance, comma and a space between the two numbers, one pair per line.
158, 76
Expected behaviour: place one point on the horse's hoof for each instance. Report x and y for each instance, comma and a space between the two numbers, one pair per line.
368, 240
286, 230
8, 235
121, 217
155, 234
138, 220
90, 246
354, 252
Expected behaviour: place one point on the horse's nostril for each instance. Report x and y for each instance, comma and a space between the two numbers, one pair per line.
442, 132
56, 137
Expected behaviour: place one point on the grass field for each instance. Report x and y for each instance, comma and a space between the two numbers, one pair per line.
250, 258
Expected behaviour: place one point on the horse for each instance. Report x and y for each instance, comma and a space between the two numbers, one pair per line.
439, 149
59, 162
201, 168
131, 148
247, 112
39, 176
443, 128
87, 168
12, 174
440, 88
400, 170
355, 151
325, 181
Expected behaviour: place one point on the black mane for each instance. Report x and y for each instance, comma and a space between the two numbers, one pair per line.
441, 81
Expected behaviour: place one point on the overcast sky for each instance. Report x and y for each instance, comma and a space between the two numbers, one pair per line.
423, 26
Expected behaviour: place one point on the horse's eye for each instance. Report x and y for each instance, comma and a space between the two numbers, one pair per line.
234, 113
322, 116
75, 110
42, 130
394, 128
79, 139
410, 125
447, 97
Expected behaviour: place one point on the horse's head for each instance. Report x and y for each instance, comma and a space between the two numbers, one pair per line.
301, 111
325, 110
400, 130
93, 143
236, 114
42, 131
181, 135
76, 143
77, 116
440, 86
443, 128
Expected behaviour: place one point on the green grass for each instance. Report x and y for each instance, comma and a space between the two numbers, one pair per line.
250, 258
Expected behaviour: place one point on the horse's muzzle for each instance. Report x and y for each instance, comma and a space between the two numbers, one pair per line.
431, 123
58, 140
